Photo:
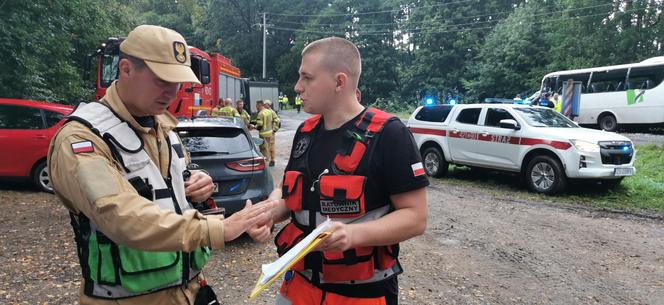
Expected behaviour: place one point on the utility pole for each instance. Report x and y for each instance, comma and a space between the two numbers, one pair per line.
264, 48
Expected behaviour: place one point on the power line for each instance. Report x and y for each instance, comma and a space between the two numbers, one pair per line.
424, 21
374, 12
434, 31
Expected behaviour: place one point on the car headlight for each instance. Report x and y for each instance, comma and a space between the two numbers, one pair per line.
585, 146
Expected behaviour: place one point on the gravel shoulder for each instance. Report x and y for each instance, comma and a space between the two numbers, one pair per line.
479, 248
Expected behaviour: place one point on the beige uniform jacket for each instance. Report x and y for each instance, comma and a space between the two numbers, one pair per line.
93, 184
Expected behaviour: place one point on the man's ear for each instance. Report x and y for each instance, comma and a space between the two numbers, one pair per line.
342, 80
125, 67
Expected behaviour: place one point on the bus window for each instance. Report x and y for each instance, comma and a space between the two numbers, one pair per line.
608, 81
549, 84
645, 78
581, 77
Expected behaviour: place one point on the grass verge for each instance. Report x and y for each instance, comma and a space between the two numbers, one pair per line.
639, 193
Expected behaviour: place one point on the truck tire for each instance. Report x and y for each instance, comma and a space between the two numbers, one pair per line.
608, 122
434, 163
545, 175
40, 177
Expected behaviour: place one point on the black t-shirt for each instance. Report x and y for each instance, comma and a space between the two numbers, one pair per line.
390, 172
390, 167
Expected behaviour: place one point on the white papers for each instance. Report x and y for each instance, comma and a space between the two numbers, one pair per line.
295, 253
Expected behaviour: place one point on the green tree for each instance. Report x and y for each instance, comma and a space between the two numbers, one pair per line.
46, 44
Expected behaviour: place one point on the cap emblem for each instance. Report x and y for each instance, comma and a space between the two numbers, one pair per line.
180, 54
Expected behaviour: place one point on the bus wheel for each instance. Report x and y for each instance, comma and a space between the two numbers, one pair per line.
608, 122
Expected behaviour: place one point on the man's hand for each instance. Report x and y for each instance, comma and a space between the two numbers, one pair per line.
199, 186
262, 233
252, 216
340, 240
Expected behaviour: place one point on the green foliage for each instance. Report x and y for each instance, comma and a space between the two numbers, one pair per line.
46, 43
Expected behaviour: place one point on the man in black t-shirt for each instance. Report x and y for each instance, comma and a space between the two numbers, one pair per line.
361, 168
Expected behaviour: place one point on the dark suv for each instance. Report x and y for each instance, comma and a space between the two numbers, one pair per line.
224, 147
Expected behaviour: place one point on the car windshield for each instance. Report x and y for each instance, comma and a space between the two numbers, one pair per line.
542, 117
210, 141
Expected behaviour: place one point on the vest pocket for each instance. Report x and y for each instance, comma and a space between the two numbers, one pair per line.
288, 237
353, 264
200, 257
141, 271
292, 190
348, 163
100, 260
342, 196
387, 256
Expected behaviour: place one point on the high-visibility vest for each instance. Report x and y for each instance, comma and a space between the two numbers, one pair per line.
298, 101
114, 271
558, 104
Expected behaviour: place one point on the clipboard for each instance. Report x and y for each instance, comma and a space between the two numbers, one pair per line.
271, 272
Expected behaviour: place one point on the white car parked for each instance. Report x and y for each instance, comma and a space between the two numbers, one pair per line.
543, 145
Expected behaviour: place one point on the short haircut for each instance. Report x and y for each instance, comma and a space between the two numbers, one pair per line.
338, 55
259, 102
138, 63
239, 101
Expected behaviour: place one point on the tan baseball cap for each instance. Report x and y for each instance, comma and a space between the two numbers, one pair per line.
164, 51
267, 102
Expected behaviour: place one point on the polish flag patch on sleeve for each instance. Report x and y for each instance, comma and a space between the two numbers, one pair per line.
82, 147
418, 169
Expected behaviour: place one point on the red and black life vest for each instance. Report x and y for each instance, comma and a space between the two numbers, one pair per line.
341, 192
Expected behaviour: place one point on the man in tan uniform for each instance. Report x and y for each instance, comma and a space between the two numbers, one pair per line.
121, 171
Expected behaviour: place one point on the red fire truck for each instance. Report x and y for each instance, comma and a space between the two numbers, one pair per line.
219, 78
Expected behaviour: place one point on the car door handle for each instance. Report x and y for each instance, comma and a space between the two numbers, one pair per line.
485, 134
40, 137
455, 131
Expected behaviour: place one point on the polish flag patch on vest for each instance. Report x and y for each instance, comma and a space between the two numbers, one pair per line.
418, 169
82, 147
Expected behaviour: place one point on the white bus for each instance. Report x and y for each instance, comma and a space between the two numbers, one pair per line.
616, 95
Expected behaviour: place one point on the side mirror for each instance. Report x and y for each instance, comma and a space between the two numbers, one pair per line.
509, 123
204, 72
258, 141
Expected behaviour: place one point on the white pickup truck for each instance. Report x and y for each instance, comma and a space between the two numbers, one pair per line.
544, 146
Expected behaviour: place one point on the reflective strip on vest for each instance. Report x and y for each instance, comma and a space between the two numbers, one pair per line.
137, 163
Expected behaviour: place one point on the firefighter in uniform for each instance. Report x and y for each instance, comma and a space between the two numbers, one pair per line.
265, 126
122, 173
361, 168
244, 115
298, 103
228, 109
284, 102
276, 124
216, 111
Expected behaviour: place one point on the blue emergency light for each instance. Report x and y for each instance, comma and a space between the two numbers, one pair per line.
429, 101
453, 102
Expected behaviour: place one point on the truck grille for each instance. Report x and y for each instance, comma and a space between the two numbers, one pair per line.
616, 152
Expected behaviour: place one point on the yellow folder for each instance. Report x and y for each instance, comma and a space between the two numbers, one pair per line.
271, 272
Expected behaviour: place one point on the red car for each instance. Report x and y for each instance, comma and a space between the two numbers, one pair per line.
26, 129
